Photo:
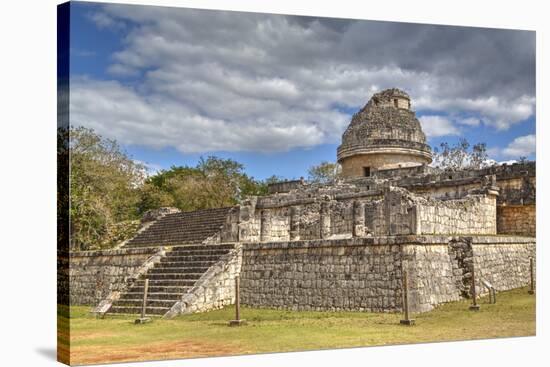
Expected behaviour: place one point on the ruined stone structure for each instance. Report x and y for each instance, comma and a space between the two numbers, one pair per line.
382, 135
337, 246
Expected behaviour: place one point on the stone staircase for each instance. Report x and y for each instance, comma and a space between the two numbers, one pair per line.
181, 228
169, 279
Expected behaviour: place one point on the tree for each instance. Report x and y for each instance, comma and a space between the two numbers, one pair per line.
324, 172
109, 191
213, 183
479, 157
104, 187
460, 156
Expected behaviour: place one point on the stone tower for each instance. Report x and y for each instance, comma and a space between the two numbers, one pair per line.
384, 134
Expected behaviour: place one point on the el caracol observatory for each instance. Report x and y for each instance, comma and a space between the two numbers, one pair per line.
339, 245
384, 134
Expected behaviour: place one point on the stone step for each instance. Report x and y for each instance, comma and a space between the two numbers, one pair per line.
197, 214
135, 310
225, 246
150, 302
190, 259
176, 241
157, 289
184, 233
190, 216
161, 243
183, 264
187, 237
166, 283
174, 276
182, 228
153, 295
199, 223
205, 251
180, 270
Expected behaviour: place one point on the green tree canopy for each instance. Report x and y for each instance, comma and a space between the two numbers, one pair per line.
104, 187
213, 183
109, 191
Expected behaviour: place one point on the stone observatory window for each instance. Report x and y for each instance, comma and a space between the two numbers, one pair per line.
366, 171
395, 103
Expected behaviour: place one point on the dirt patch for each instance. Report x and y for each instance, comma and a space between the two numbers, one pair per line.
88, 335
151, 351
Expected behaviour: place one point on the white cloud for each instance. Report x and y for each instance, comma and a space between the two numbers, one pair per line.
117, 111
521, 146
122, 70
469, 121
103, 20
494, 111
435, 126
261, 82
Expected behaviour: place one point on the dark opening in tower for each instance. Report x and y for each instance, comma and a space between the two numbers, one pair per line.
366, 171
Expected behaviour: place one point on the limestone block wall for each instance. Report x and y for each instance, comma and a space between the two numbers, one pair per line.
434, 273
475, 214
518, 190
308, 219
249, 222
441, 272
230, 228
284, 186
517, 182
215, 289
94, 275
396, 212
375, 218
322, 275
366, 274
503, 261
341, 217
517, 219
400, 212
275, 224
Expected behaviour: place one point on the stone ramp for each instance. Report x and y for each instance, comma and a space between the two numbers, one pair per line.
169, 279
181, 228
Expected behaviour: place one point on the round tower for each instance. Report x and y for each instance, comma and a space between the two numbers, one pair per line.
384, 134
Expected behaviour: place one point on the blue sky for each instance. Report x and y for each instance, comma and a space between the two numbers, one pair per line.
276, 92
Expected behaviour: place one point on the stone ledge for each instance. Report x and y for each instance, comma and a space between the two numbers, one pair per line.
387, 240
116, 252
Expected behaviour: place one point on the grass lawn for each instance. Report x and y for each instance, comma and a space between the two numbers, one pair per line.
117, 339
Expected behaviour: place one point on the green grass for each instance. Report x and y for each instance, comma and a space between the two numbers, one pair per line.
117, 339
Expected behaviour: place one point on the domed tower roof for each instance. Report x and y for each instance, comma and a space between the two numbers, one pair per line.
382, 135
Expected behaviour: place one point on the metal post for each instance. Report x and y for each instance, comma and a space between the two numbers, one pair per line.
406, 321
237, 321
474, 306
143, 319
532, 271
